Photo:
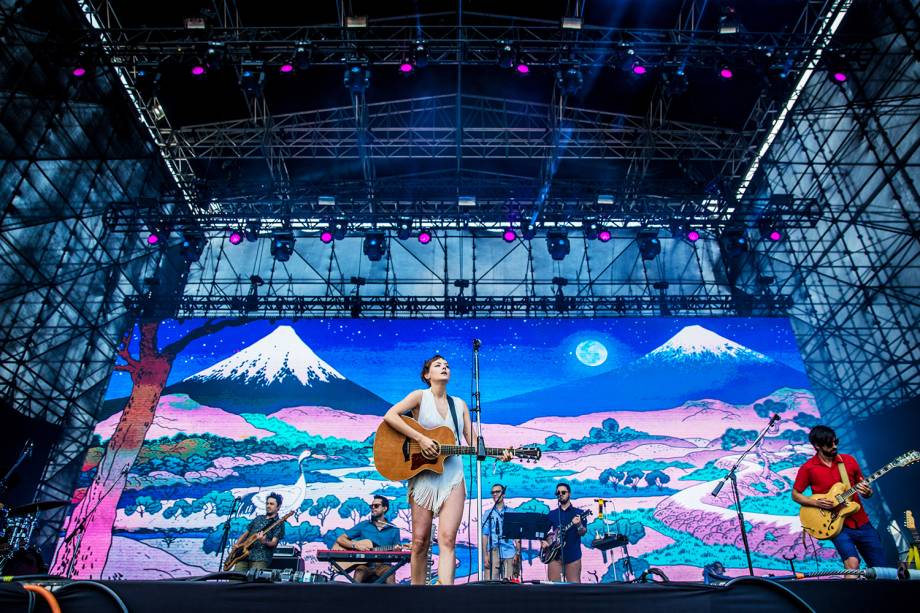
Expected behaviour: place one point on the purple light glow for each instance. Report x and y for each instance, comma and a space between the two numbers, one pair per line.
286, 68
775, 235
198, 70
840, 77
405, 68
79, 71
604, 236
326, 236
153, 239
509, 236
639, 69
236, 238
424, 237
693, 236
523, 68
726, 73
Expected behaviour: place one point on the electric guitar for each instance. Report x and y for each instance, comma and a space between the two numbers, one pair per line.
397, 457
551, 552
827, 523
241, 552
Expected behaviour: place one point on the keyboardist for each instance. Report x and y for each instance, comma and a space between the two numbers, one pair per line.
374, 533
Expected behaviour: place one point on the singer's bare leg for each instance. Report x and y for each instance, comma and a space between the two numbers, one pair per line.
421, 538
448, 524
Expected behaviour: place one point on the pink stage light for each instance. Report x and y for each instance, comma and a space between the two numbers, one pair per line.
78, 72
405, 68
840, 77
604, 236
693, 236
523, 69
286, 68
509, 236
236, 238
424, 237
326, 236
726, 73
198, 70
775, 235
153, 239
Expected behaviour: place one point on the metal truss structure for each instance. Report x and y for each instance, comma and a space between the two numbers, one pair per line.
88, 168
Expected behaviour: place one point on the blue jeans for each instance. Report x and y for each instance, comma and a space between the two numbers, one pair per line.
860, 542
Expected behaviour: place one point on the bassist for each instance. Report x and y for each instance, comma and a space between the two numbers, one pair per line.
569, 561
262, 551
859, 537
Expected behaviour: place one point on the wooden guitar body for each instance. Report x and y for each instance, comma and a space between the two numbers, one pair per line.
399, 458
348, 565
827, 523
241, 551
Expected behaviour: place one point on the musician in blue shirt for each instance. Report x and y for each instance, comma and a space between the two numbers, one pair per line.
500, 554
373, 533
569, 560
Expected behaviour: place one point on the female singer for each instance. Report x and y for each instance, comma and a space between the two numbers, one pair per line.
432, 494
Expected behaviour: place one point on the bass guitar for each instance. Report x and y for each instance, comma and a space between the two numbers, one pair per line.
241, 551
397, 457
913, 552
827, 523
557, 539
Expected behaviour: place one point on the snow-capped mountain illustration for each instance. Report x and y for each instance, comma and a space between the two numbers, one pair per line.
698, 343
694, 364
277, 371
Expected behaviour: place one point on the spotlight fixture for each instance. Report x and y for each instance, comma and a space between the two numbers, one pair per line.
403, 229
522, 69
282, 245
251, 230
192, 247
252, 77
236, 237
836, 67
638, 68
424, 236
649, 244
325, 236
728, 21
692, 235
569, 80
507, 56
375, 246
770, 228
357, 79
605, 199
303, 56
528, 232
406, 67
726, 73
198, 69
466, 200
557, 243
286, 68
159, 235
733, 241
571, 23
339, 229
81, 66
509, 235
214, 56
590, 227
604, 235
420, 54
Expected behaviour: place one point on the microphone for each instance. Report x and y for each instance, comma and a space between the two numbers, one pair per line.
476, 344
718, 489
774, 419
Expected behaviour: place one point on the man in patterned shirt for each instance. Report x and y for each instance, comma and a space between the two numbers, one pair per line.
261, 552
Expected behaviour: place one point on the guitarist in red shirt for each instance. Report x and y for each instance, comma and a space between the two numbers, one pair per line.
859, 537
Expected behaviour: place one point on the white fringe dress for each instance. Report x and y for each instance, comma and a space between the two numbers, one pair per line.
429, 489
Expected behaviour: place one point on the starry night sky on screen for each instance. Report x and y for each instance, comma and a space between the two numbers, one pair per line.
517, 355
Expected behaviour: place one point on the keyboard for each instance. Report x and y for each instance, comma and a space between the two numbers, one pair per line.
367, 557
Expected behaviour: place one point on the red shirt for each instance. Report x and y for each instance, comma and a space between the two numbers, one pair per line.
821, 477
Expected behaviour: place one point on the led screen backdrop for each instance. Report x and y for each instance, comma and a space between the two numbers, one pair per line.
646, 413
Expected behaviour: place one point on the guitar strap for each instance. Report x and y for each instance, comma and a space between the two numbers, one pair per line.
844, 478
453, 414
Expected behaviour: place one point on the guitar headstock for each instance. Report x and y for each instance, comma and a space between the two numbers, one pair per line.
287, 516
909, 521
906, 459
528, 454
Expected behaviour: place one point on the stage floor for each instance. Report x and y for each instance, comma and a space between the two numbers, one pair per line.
199, 597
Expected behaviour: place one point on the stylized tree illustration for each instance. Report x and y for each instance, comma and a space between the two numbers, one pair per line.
633, 477
532, 506
612, 477
144, 504
303, 508
214, 503
324, 506
85, 545
657, 477
355, 508
399, 508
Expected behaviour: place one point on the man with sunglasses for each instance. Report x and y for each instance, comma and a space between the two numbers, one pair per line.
859, 537
568, 564
373, 533
500, 554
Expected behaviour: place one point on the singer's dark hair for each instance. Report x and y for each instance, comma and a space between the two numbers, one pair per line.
428, 364
383, 500
278, 498
821, 436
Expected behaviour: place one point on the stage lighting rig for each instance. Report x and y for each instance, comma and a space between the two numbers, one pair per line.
282, 245
251, 230
557, 243
770, 228
590, 228
734, 242
375, 246
569, 80
192, 247
252, 77
357, 78
339, 229
403, 229
528, 232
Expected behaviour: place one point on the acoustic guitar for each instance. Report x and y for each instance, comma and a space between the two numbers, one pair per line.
241, 551
397, 457
827, 523
369, 548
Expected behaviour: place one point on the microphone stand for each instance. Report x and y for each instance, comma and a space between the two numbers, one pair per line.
226, 535
732, 476
480, 443
26, 452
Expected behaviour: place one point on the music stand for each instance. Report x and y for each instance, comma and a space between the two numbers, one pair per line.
526, 527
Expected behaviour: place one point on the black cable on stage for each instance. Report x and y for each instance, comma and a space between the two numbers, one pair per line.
215, 576
31, 601
93, 584
773, 585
